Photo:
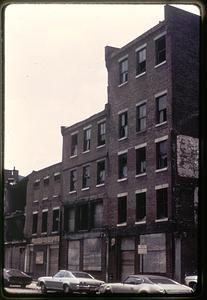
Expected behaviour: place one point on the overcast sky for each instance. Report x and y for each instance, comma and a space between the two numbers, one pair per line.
55, 72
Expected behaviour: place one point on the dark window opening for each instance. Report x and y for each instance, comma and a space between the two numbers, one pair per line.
36, 184
160, 50
55, 219
123, 71
87, 139
34, 223
73, 180
83, 217
161, 109
141, 61
123, 120
161, 153
57, 177
141, 160
101, 134
97, 215
161, 196
86, 177
101, 172
122, 161
44, 221
141, 117
122, 209
140, 207
74, 144
69, 219
46, 180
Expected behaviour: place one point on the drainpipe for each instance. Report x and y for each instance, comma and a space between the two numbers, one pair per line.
107, 258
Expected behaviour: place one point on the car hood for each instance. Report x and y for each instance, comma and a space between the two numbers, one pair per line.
176, 289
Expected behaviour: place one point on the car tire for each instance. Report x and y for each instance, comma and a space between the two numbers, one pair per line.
193, 285
66, 289
43, 288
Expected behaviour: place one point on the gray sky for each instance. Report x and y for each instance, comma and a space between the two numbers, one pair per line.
55, 71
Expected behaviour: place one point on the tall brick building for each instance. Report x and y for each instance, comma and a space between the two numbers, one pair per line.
129, 190
129, 174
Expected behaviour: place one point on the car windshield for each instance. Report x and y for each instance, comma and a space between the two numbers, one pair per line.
82, 275
14, 272
162, 280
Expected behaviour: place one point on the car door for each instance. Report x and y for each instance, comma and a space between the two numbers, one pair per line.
56, 282
127, 286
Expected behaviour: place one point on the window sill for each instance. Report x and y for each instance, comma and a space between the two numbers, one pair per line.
72, 156
140, 222
86, 151
55, 232
160, 124
160, 64
122, 179
45, 199
161, 220
34, 234
141, 131
121, 224
36, 201
43, 233
123, 83
123, 138
72, 192
85, 189
140, 175
101, 146
160, 170
101, 184
141, 74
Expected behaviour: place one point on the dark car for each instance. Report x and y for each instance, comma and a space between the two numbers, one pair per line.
16, 277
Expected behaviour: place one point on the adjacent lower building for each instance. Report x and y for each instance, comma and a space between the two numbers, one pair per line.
42, 223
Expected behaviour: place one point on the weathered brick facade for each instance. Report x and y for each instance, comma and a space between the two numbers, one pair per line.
127, 176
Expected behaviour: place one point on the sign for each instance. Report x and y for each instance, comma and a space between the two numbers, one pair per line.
142, 249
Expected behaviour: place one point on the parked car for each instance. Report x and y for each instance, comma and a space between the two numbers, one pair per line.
16, 277
146, 284
191, 280
69, 282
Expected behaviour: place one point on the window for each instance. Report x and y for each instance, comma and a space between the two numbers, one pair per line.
36, 184
57, 176
44, 221
140, 160
123, 71
83, 217
141, 61
73, 180
74, 144
86, 177
55, 219
46, 180
34, 223
122, 209
161, 109
122, 165
87, 139
161, 154
141, 207
141, 117
123, 124
101, 133
70, 219
101, 172
161, 197
97, 215
160, 50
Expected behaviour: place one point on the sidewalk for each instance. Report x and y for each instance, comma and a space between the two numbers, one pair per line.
33, 286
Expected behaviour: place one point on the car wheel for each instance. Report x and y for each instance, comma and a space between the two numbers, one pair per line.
43, 288
193, 285
66, 289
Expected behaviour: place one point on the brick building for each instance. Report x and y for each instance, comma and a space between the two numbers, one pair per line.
126, 181
42, 221
14, 219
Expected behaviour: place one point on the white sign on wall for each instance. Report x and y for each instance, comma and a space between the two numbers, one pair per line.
142, 249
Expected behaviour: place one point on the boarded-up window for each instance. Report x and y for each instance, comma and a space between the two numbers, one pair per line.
127, 257
74, 255
71, 220
97, 215
53, 261
155, 259
92, 255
